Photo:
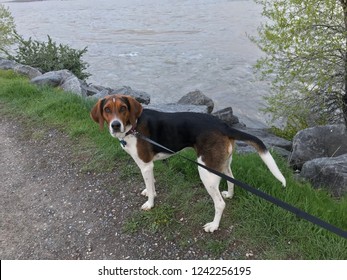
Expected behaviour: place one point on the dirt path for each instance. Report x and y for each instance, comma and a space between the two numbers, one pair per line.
51, 210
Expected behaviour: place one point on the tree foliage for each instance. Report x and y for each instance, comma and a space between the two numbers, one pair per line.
306, 59
7, 28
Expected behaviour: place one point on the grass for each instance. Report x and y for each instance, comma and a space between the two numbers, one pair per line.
250, 226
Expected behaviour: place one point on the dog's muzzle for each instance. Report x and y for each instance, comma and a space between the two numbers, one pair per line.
116, 127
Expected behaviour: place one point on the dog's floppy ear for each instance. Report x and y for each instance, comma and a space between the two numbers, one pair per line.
96, 112
135, 110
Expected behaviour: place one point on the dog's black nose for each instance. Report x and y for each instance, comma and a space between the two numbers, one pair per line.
116, 125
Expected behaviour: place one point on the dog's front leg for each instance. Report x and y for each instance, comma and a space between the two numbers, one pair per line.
148, 176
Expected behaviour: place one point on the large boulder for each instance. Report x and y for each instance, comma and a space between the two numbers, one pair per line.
72, 84
28, 71
318, 142
197, 98
25, 70
64, 79
53, 78
328, 172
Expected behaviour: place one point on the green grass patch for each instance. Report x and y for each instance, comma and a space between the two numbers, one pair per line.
44, 106
158, 218
250, 226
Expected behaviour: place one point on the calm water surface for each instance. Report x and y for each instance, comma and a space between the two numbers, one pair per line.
166, 48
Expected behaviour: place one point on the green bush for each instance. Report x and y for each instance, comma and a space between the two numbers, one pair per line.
49, 56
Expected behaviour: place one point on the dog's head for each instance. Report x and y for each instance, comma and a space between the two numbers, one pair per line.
119, 111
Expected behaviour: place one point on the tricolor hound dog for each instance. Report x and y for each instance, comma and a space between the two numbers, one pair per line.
212, 139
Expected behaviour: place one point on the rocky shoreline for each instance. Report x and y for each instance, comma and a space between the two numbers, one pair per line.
320, 153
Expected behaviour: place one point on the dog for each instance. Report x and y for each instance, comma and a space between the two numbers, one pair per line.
212, 139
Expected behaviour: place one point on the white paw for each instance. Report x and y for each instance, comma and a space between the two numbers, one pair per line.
145, 193
211, 227
147, 206
226, 194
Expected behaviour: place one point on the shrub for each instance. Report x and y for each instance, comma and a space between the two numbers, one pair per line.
49, 56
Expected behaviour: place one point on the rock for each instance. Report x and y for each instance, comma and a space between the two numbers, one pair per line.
97, 92
227, 116
28, 71
25, 70
6, 64
52, 78
174, 108
99, 95
64, 79
91, 90
328, 172
72, 84
197, 98
140, 96
269, 138
318, 142
244, 148
280, 145
49, 79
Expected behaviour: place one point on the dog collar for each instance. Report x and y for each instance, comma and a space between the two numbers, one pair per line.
131, 131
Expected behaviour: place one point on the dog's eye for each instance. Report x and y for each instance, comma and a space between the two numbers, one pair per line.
107, 110
122, 109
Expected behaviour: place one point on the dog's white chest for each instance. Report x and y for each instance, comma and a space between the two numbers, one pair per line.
129, 144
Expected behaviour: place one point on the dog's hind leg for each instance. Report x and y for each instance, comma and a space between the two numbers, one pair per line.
228, 172
211, 183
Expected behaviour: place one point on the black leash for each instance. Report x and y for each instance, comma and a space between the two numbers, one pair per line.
276, 201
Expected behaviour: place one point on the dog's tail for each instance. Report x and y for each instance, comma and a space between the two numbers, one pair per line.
262, 151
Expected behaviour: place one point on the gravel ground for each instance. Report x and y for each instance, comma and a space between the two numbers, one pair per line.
49, 209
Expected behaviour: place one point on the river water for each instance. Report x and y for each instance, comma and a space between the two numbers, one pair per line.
166, 48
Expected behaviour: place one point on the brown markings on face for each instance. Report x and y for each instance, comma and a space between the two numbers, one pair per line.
116, 108
124, 108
